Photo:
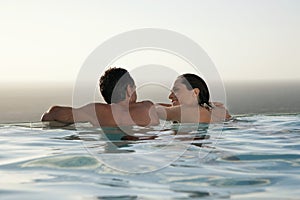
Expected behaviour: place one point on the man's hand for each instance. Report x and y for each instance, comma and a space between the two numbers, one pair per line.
59, 113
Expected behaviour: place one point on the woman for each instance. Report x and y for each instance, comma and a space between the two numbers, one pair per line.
190, 103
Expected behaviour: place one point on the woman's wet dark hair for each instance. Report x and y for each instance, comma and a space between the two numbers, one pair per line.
113, 84
192, 81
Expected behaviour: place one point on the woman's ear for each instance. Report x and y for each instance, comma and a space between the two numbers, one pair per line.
196, 91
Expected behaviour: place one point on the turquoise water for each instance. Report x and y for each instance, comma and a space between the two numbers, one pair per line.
251, 157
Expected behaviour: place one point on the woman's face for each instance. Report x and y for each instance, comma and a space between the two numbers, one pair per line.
180, 95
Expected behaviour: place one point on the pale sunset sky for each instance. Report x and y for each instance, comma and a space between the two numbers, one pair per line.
48, 40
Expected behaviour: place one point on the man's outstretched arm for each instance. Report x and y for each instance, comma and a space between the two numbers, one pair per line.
59, 113
66, 114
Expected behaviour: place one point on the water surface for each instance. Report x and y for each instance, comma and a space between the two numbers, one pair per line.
254, 157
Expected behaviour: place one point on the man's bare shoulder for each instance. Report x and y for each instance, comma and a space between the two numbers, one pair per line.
101, 108
90, 106
102, 105
146, 103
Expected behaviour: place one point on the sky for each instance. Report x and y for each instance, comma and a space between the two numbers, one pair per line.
250, 40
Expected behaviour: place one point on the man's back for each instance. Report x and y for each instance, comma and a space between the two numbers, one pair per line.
140, 113
99, 114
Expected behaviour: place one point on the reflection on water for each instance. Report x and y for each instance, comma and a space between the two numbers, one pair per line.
147, 148
254, 157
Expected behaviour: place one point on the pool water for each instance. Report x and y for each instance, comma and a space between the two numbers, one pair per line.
251, 157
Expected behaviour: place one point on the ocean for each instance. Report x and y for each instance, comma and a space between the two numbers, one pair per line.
26, 102
254, 156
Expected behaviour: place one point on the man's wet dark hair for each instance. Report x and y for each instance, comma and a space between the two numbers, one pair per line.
192, 81
113, 84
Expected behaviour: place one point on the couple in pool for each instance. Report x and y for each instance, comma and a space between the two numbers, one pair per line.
189, 97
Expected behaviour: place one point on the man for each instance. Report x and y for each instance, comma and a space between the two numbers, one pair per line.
118, 90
